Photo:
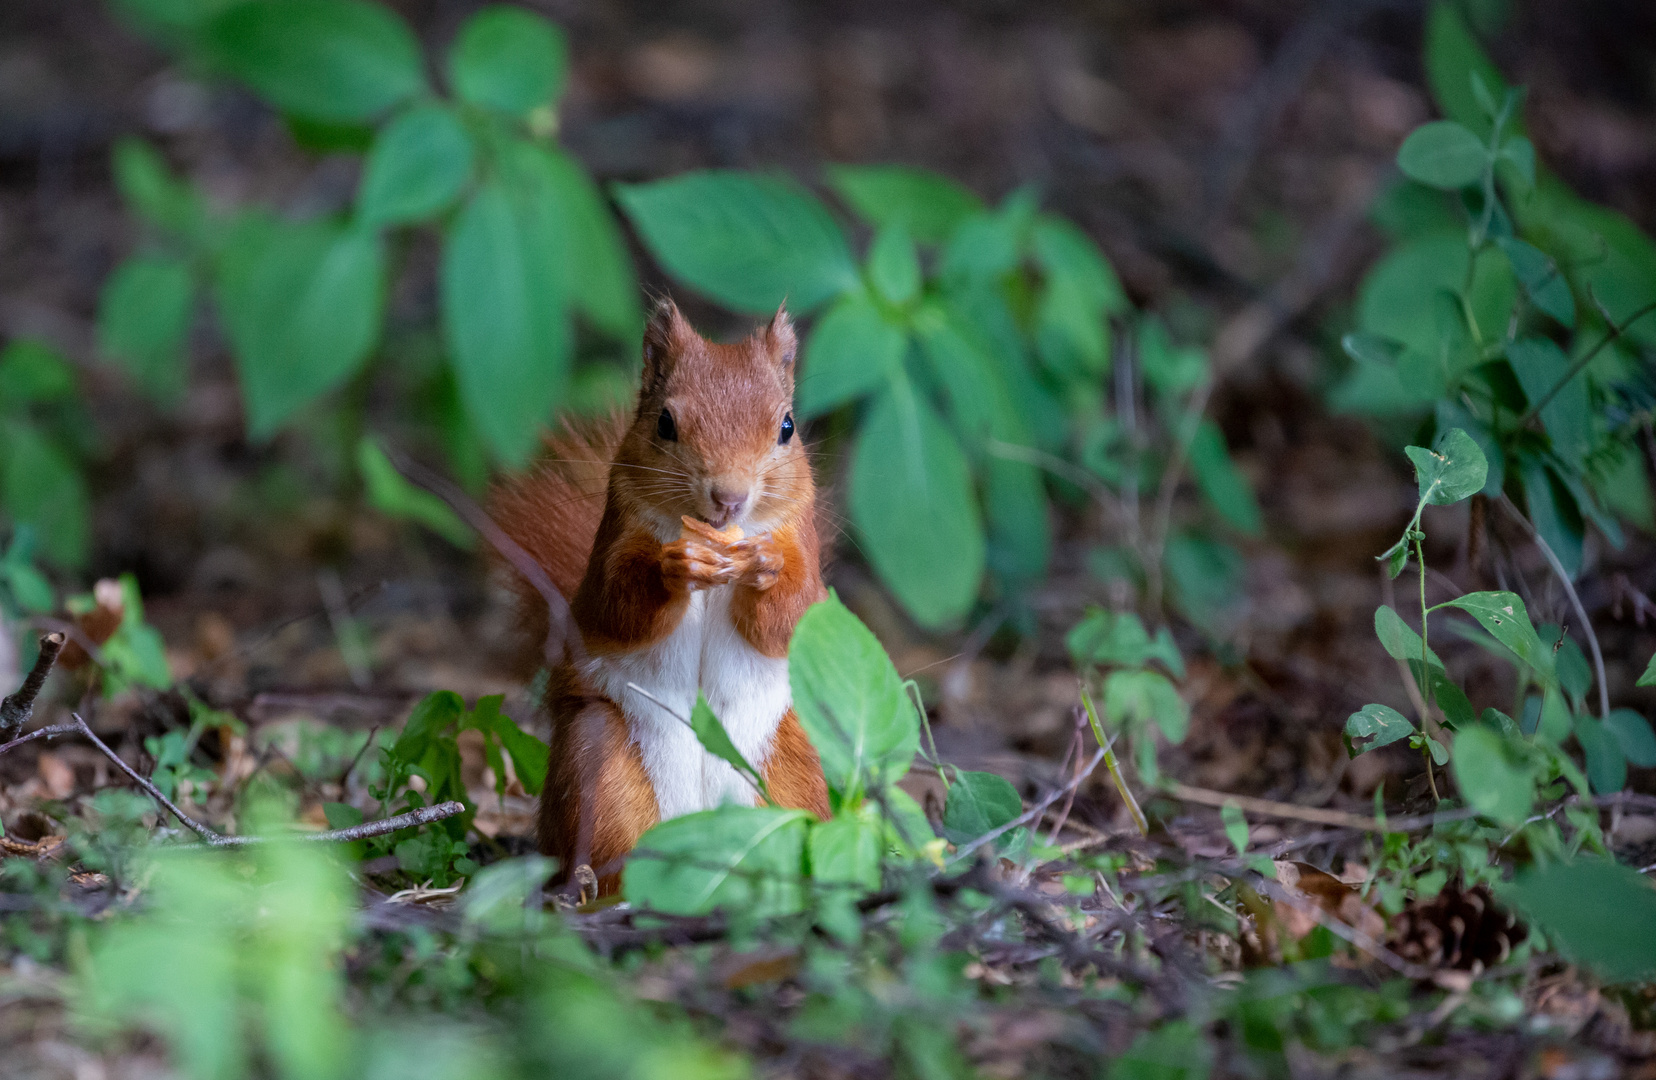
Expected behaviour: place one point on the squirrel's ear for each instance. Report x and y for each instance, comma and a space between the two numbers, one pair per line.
665, 336
780, 336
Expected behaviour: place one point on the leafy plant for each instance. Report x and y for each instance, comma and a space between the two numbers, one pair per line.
964, 349
1137, 699
1522, 323
527, 244
44, 440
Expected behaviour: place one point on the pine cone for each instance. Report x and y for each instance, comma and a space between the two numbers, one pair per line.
1457, 929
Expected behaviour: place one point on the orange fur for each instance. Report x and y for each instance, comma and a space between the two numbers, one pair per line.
632, 570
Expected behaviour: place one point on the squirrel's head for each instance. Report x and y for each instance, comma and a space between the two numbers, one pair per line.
714, 435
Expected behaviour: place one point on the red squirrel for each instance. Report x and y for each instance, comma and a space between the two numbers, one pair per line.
693, 578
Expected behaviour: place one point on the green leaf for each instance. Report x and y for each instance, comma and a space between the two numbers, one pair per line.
1443, 154
1503, 614
1137, 697
302, 306
149, 190
1178, 1050
335, 61
1226, 489
894, 266
1606, 764
1455, 470
928, 205
1553, 512
1065, 253
1568, 417
740, 858
1236, 826
1632, 733
1521, 153
509, 59
29, 587
845, 851
1453, 58
436, 715
41, 486
389, 493
1493, 780
1398, 637
978, 803
597, 269
853, 350
503, 314
1395, 557
32, 371
1109, 637
1649, 676
418, 164
1168, 368
1367, 348
1383, 722
529, 755
1596, 911
850, 701
748, 241
711, 733
144, 320
1206, 579
1541, 278
911, 499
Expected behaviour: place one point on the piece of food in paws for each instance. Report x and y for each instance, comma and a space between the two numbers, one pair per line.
707, 532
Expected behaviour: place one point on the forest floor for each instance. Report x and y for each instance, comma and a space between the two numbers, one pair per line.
1223, 154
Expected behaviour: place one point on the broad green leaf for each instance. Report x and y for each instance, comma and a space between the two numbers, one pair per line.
170, 19
1520, 152
1541, 278
1568, 417
41, 486
740, 858
985, 246
748, 241
928, 205
1168, 368
1443, 154
503, 294
302, 305
1455, 470
150, 191
1649, 676
144, 320
29, 587
1385, 724
1606, 764
1178, 1050
418, 164
1451, 414
437, 714
1597, 911
1236, 826
334, 61
1632, 733
1226, 488
509, 59
711, 733
1496, 782
1453, 58
1457, 708
894, 266
1553, 512
853, 350
389, 493
1367, 348
1395, 557
1137, 697
529, 755
598, 269
1503, 614
850, 701
911, 500
1065, 253
1019, 525
1109, 637
1398, 637
32, 371
845, 851
1206, 578
979, 802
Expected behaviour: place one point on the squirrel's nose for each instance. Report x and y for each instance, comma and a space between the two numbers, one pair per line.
729, 503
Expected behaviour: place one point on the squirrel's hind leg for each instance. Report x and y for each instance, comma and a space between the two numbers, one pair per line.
595, 773
793, 772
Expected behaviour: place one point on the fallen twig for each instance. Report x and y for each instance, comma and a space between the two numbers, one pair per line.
39, 733
16, 709
186, 820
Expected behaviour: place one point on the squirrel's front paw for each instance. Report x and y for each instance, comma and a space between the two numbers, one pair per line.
695, 565
760, 560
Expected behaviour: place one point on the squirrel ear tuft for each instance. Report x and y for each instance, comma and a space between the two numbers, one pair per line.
665, 336
780, 336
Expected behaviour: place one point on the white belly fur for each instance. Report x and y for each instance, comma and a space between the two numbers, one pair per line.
747, 691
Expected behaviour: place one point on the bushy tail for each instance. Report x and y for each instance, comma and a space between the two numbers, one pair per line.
553, 511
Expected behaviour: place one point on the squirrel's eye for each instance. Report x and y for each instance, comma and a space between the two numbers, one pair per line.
787, 429
666, 428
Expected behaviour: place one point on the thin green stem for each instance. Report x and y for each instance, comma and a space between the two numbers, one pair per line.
1425, 666
1111, 764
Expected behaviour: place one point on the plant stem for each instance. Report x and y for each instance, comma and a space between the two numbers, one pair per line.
1585, 359
1425, 669
1114, 768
